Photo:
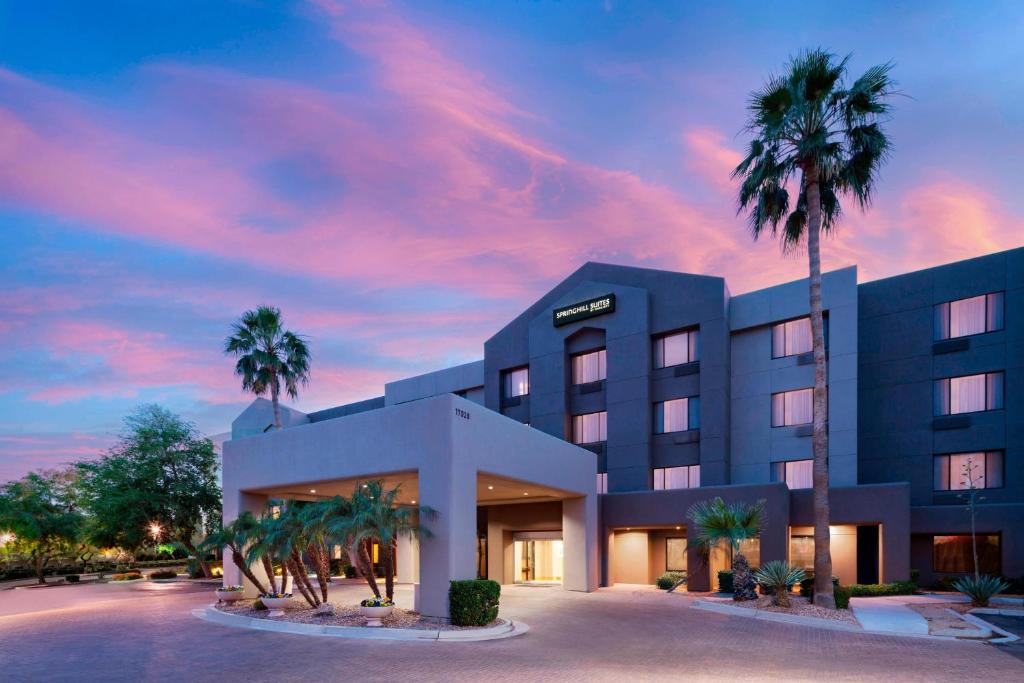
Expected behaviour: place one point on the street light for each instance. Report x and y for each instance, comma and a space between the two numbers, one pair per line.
155, 530
6, 537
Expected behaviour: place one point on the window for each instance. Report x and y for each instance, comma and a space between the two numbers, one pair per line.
687, 477
964, 317
675, 554
750, 548
801, 552
985, 471
677, 415
796, 474
590, 367
791, 338
516, 382
970, 394
602, 482
676, 349
953, 554
590, 428
793, 408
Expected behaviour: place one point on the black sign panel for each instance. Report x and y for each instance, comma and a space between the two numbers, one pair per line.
585, 309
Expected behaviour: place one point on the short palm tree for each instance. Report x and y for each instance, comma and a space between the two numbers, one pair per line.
283, 538
718, 523
269, 356
237, 537
779, 577
810, 122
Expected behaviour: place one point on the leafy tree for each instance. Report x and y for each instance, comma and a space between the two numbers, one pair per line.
269, 356
161, 475
718, 522
809, 122
38, 519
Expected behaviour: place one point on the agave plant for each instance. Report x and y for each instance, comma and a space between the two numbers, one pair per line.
980, 589
779, 577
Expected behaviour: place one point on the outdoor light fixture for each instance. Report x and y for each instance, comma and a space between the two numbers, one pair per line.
155, 529
6, 537
490, 488
312, 490
526, 493
414, 502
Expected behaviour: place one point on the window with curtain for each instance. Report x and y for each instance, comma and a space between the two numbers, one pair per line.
686, 477
958, 471
590, 427
602, 482
677, 415
676, 349
516, 382
964, 317
969, 394
791, 338
953, 554
796, 474
793, 408
590, 367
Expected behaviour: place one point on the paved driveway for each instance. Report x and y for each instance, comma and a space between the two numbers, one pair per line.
145, 632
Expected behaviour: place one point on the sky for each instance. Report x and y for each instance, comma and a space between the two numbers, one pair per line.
402, 179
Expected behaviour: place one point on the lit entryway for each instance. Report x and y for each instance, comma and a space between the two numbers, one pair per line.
538, 560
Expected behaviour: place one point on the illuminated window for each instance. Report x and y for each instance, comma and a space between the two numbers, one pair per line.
791, 338
590, 427
793, 408
675, 554
590, 367
676, 349
953, 554
796, 474
801, 552
964, 317
969, 394
677, 415
516, 382
963, 471
687, 477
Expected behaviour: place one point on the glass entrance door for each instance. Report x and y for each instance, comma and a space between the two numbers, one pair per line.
538, 561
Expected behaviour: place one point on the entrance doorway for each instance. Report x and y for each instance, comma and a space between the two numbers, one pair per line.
538, 560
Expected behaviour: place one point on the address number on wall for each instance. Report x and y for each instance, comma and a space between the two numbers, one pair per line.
464, 414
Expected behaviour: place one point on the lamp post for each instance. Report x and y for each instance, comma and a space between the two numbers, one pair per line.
155, 530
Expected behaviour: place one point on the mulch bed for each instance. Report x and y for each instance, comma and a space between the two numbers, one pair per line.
347, 615
801, 607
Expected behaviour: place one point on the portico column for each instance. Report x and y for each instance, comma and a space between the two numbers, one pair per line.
235, 505
407, 560
450, 552
580, 571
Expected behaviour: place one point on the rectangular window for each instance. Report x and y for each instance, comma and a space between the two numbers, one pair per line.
793, 408
675, 554
686, 477
964, 317
801, 552
970, 394
676, 349
964, 471
590, 428
792, 338
796, 474
677, 415
602, 482
516, 382
953, 554
590, 367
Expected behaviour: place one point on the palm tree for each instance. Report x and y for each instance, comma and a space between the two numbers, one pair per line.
282, 537
717, 523
809, 121
268, 356
237, 537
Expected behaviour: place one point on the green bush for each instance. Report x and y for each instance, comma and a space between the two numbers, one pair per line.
258, 605
72, 578
669, 579
339, 567
875, 590
807, 586
980, 590
163, 574
725, 581
915, 577
474, 602
350, 572
126, 576
842, 597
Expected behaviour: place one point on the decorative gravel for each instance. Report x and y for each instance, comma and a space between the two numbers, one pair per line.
347, 615
801, 607
939, 620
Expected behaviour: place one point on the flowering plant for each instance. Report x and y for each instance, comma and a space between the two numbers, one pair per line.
231, 589
275, 596
377, 602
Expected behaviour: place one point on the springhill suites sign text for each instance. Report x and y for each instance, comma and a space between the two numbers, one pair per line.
585, 309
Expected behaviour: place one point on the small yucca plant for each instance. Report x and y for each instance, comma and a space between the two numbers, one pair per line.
779, 576
980, 589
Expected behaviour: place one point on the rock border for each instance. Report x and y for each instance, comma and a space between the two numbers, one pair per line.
813, 622
509, 629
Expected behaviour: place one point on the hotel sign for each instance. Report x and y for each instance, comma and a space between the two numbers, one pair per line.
585, 309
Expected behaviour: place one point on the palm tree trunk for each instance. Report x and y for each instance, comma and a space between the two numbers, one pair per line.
301, 580
276, 403
823, 596
268, 567
323, 566
367, 567
203, 564
389, 571
239, 560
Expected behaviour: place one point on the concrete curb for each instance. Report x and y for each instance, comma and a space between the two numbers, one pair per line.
1007, 637
510, 629
808, 621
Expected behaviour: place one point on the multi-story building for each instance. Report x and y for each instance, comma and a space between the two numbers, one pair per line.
681, 392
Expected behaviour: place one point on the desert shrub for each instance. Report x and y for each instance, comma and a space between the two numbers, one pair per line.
350, 572
258, 605
980, 590
339, 567
842, 597
779, 577
126, 576
807, 586
474, 602
163, 574
725, 581
669, 579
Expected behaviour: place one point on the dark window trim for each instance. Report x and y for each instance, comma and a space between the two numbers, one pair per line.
508, 371
689, 428
655, 338
573, 356
949, 477
824, 325
784, 423
949, 394
976, 334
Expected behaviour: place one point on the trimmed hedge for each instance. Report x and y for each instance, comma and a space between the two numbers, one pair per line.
669, 579
725, 581
473, 602
163, 574
874, 590
842, 597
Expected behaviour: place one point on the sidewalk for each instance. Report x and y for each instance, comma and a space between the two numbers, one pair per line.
888, 615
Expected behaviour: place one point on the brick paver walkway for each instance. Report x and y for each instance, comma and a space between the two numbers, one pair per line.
141, 634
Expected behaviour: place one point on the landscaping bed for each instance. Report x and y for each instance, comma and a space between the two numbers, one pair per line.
347, 615
942, 623
801, 607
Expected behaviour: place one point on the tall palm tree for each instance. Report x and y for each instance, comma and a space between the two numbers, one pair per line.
718, 522
269, 356
810, 122
237, 537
